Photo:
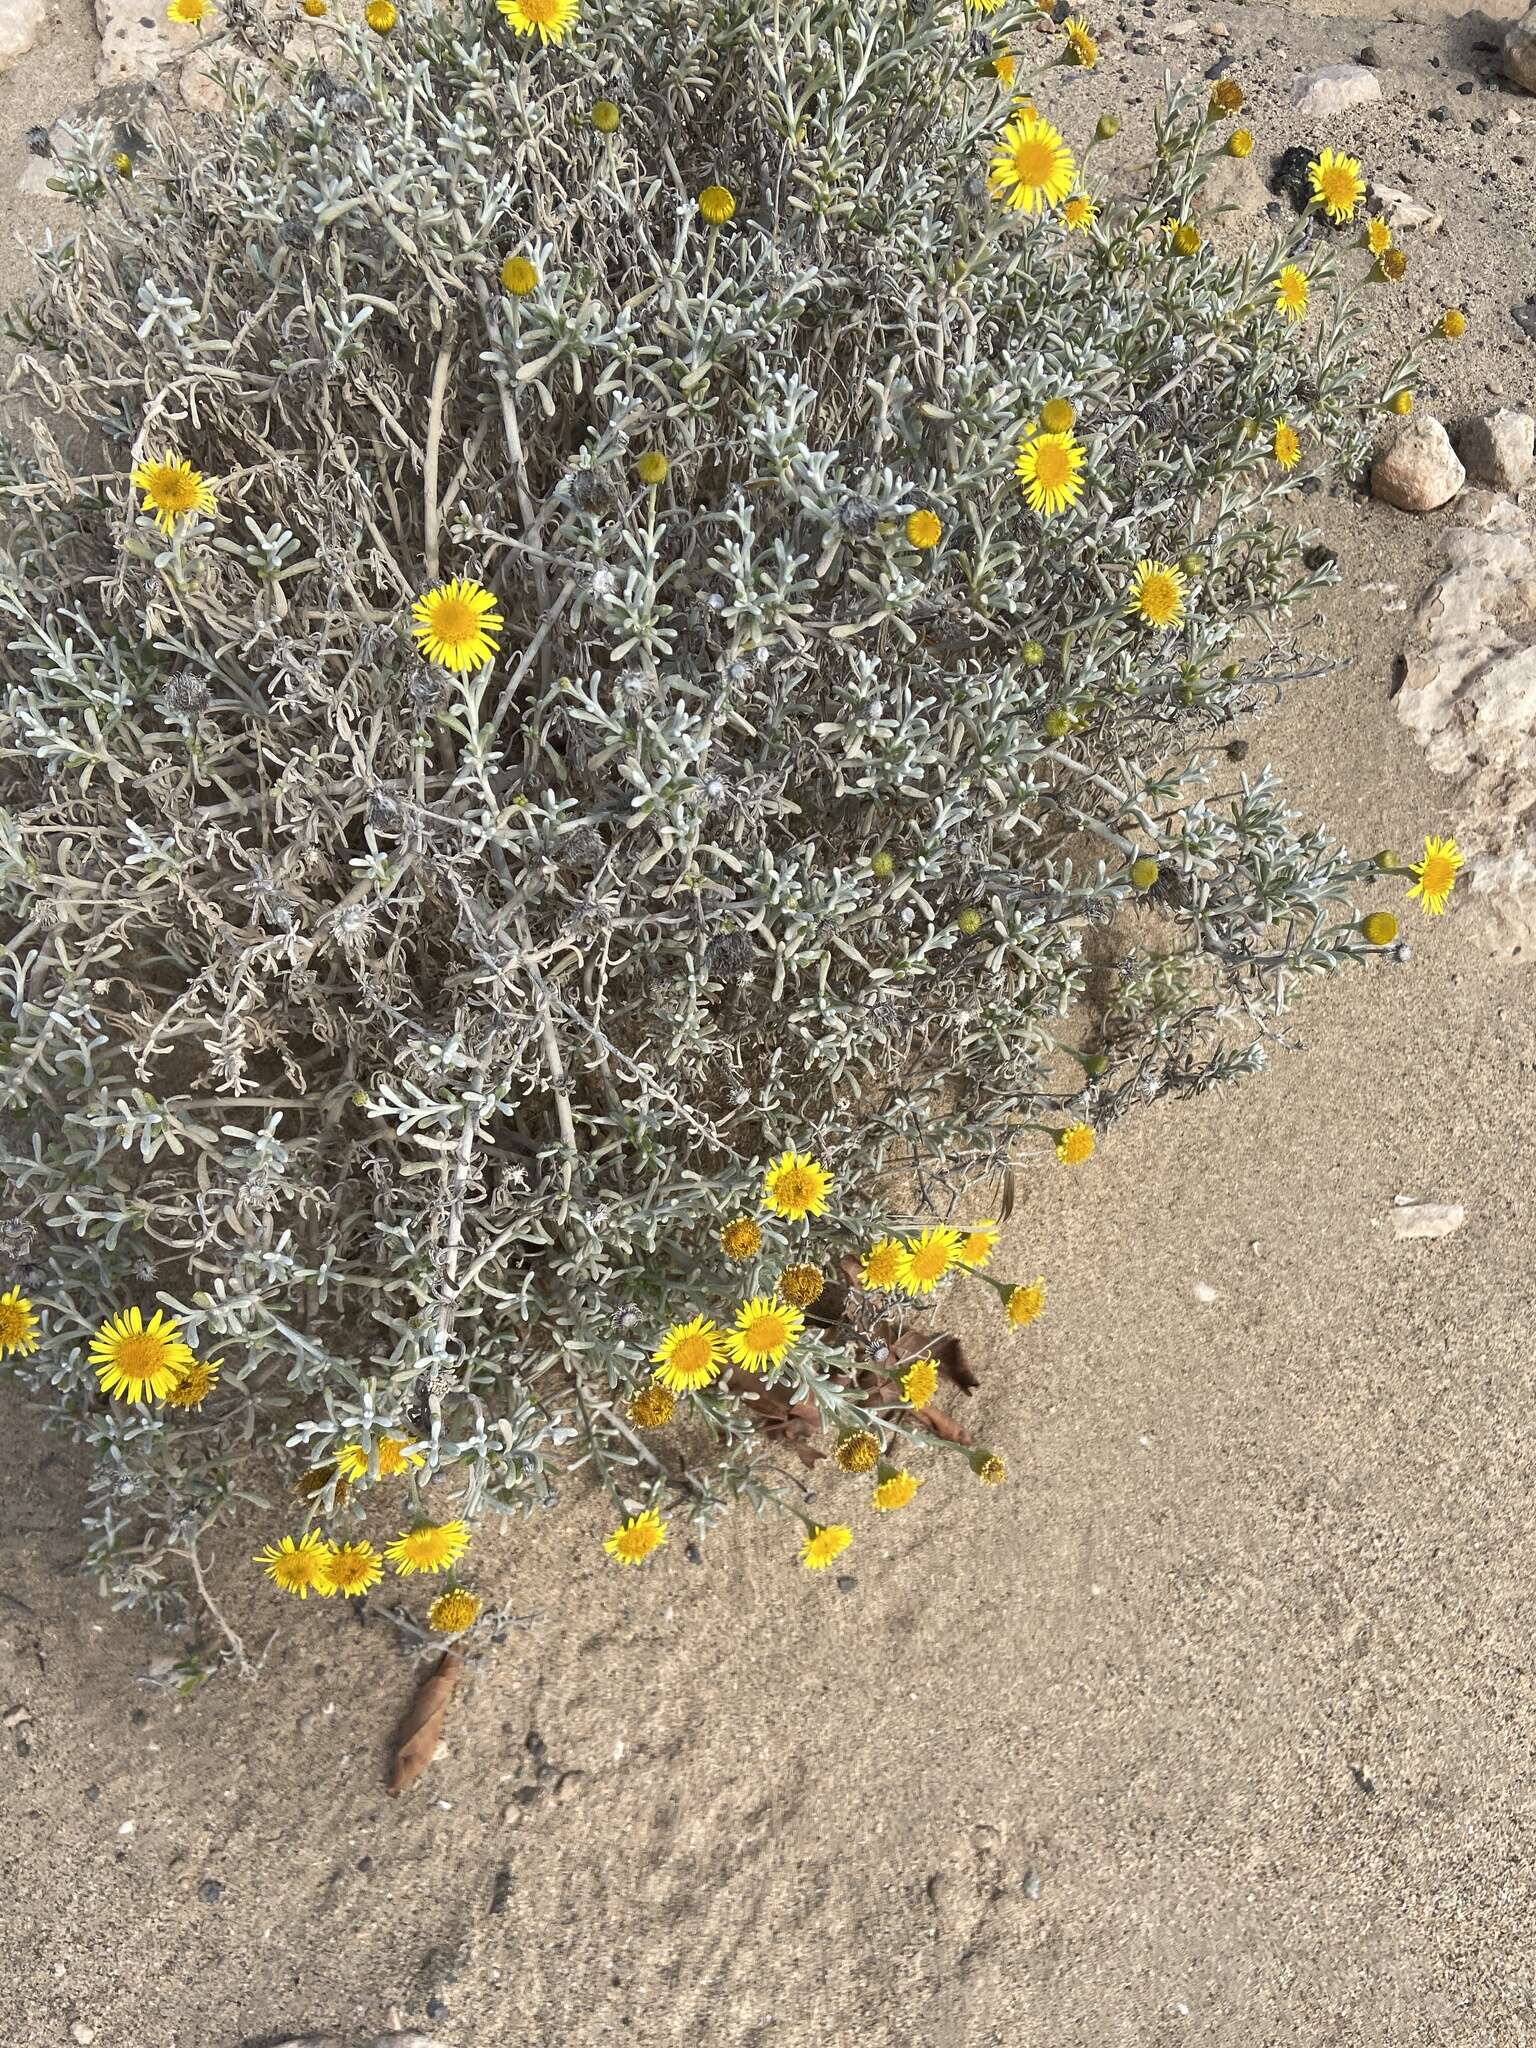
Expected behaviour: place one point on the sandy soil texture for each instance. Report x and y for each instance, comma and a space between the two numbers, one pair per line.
1214, 1726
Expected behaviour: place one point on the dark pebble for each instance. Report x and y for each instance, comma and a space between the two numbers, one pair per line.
692, 1552
525, 1795
1525, 320
535, 1742
1434, 63
92, 1794
138, 1717
501, 1889
365, 1865
1217, 70
1371, 57
210, 1891
1466, 86
1481, 127
1237, 750
846, 1582
437, 2008
1319, 558
1439, 113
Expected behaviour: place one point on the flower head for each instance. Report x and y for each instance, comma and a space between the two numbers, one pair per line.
1080, 211
652, 468
1185, 238
690, 1355
1379, 928
546, 19
1025, 1305
1435, 875
1032, 166
1058, 415
457, 625
1240, 142
978, 1244
1337, 184
920, 1382
1226, 97
194, 1384
352, 1568
633, 1541
453, 1611
1157, 595
1143, 871
428, 1547
1082, 46
1401, 402
717, 204
653, 1407
1047, 466
139, 1361
741, 1240
881, 1264
988, 1467
315, 9
857, 1450
1005, 67
824, 1545
1292, 291
894, 1488
173, 490
802, 1284
298, 1568
1392, 266
1378, 236
1075, 1144
606, 116
394, 1454
189, 13
1287, 447
765, 1328
969, 921
923, 529
519, 277
925, 1259
18, 1325
381, 16
795, 1186
1453, 324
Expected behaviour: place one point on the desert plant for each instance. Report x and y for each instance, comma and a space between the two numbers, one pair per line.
585, 610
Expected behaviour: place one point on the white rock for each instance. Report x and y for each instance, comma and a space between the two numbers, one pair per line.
1321, 95
83, 2034
1519, 57
136, 40
34, 180
1204, 1293
1412, 1218
1499, 449
1400, 210
1234, 193
21, 23
1416, 468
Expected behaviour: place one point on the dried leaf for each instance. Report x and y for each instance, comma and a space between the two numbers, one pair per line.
795, 1422
948, 1353
422, 1728
934, 1420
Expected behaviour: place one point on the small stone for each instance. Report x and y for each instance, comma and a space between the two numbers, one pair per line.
135, 41
1400, 210
82, 2033
437, 2008
1466, 86
1325, 94
1032, 1884
1412, 1218
21, 23
1499, 450
501, 1889
1525, 317
534, 1743
568, 1785
846, 1582
1416, 468
1371, 57
1519, 54
525, 1795
1233, 193
210, 1891
1204, 1293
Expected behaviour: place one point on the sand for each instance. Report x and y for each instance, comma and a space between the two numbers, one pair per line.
1214, 1725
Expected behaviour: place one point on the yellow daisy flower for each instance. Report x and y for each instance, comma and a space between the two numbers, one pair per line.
652, 1408
1401, 402
139, 1361
1226, 97
741, 1240
802, 1284
1453, 324
824, 1545
796, 1186
856, 1450
519, 277
1157, 595
298, 1568
395, 1457
196, 1382
1058, 415
189, 13
920, 1382
765, 1329
546, 19
1378, 236
1075, 1144
1287, 446
1337, 184
978, 1244
1392, 266
881, 1266
1032, 166
457, 625
1435, 875
606, 116
381, 16
1005, 67
924, 530
633, 1541
1240, 142
1185, 237
1080, 211
1025, 1305
173, 490
927, 1258
18, 1325
1292, 291
1379, 928
717, 203
351, 1569
428, 1547
1047, 466
988, 1467
453, 1612
652, 468
690, 1355
1082, 48
894, 1489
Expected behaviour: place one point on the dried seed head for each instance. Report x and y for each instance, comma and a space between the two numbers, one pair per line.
729, 956
297, 232
856, 515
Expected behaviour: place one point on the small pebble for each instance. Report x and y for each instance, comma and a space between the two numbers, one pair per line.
692, 1552
82, 2033
1204, 1292
501, 1889
437, 2008
846, 1582
535, 1743
210, 1891
1032, 1884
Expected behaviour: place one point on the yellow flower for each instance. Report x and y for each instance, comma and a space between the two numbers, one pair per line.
857, 1450
1032, 167
802, 1284
453, 1612
923, 529
925, 1259
352, 1568
1401, 402
894, 1489
978, 1244
741, 1240
1226, 97
652, 1408
1337, 186
824, 1545
1144, 871
546, 19
881, 866
1392, 266
988, 1467
968, 923
983, 6
428, 1547
18, 1325
1058, 415
395, 1457
633, 1541
1453, 324
1287, 448
606, 116
190, 13
717, 204
1025, 1305
122, 163
1075, 1144
1185, 237
882, 1263
381, 16
1240, 142
137, 1360
173, 490
690, 1355
1379, 929
1157, 595
652, 468
1004, 66
765, 1329
1378, 236
299, 1568
194, 1384
1047, 466
519, 277
313, 8
1435, 875
457, 625
1081, 47
1291, 291
795, 1186
920, 1382
1080, 211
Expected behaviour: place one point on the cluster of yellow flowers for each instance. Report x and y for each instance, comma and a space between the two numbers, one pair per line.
312, 1564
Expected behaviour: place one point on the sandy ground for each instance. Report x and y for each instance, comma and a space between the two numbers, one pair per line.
1214, 1726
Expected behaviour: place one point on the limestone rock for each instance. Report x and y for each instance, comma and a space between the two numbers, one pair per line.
21, 23
1323, 95
1413, 1218
1401, 211
1499, 449
33, 182
1417, 470
1519, 58
136, 40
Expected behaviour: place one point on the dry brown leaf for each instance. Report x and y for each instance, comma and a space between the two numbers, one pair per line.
422, 1729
